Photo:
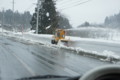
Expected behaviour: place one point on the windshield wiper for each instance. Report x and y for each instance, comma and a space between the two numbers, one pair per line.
50, 77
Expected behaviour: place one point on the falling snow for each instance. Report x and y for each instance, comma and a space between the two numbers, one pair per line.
48, 27
47, 14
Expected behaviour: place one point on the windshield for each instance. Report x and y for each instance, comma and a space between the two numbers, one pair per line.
57, 34
91, 37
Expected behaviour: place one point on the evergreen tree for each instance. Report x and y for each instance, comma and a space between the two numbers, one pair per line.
106, 21
63, 22
86, 24
47, 18
113, 21
33, 20
8, 17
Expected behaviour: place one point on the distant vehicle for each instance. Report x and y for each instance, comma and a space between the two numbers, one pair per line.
59, 36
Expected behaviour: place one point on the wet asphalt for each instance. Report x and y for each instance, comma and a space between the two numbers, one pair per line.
19, 59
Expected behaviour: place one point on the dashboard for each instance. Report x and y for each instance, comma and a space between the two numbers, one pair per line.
109, 72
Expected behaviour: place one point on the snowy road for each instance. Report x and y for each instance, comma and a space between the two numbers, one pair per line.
20, 59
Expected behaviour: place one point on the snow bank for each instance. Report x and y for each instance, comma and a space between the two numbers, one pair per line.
104, 56
42, 38
46, 39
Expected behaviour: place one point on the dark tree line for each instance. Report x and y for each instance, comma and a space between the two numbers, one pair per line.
110, 22
49, 18
20, 19
113, 21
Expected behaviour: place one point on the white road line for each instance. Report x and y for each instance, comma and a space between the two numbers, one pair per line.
25, 65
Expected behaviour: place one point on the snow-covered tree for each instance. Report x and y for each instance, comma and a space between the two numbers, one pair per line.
20, 19
113, 21
63, 22
47, 18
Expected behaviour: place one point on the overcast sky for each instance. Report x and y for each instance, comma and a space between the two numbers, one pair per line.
93, 11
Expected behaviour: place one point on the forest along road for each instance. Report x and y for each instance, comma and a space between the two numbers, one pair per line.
20, 59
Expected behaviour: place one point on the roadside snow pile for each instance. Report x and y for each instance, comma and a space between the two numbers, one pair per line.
39, 38
104, 56
31, 32
110, 54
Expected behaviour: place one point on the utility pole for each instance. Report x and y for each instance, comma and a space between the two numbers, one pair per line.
37, 22
3, 20
39, 6
13, 14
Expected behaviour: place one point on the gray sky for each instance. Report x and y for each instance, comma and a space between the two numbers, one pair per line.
93, 11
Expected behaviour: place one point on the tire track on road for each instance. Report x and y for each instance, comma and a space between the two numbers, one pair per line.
20, 60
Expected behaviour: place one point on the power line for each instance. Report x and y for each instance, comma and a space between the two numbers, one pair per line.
13, 3
3, 19
30, 7
60, 0
75, 5
70, 3
63, 1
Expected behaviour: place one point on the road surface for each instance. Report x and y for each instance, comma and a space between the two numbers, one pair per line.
20, 59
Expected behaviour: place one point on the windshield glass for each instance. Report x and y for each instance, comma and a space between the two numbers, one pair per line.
58, 34
90, 37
